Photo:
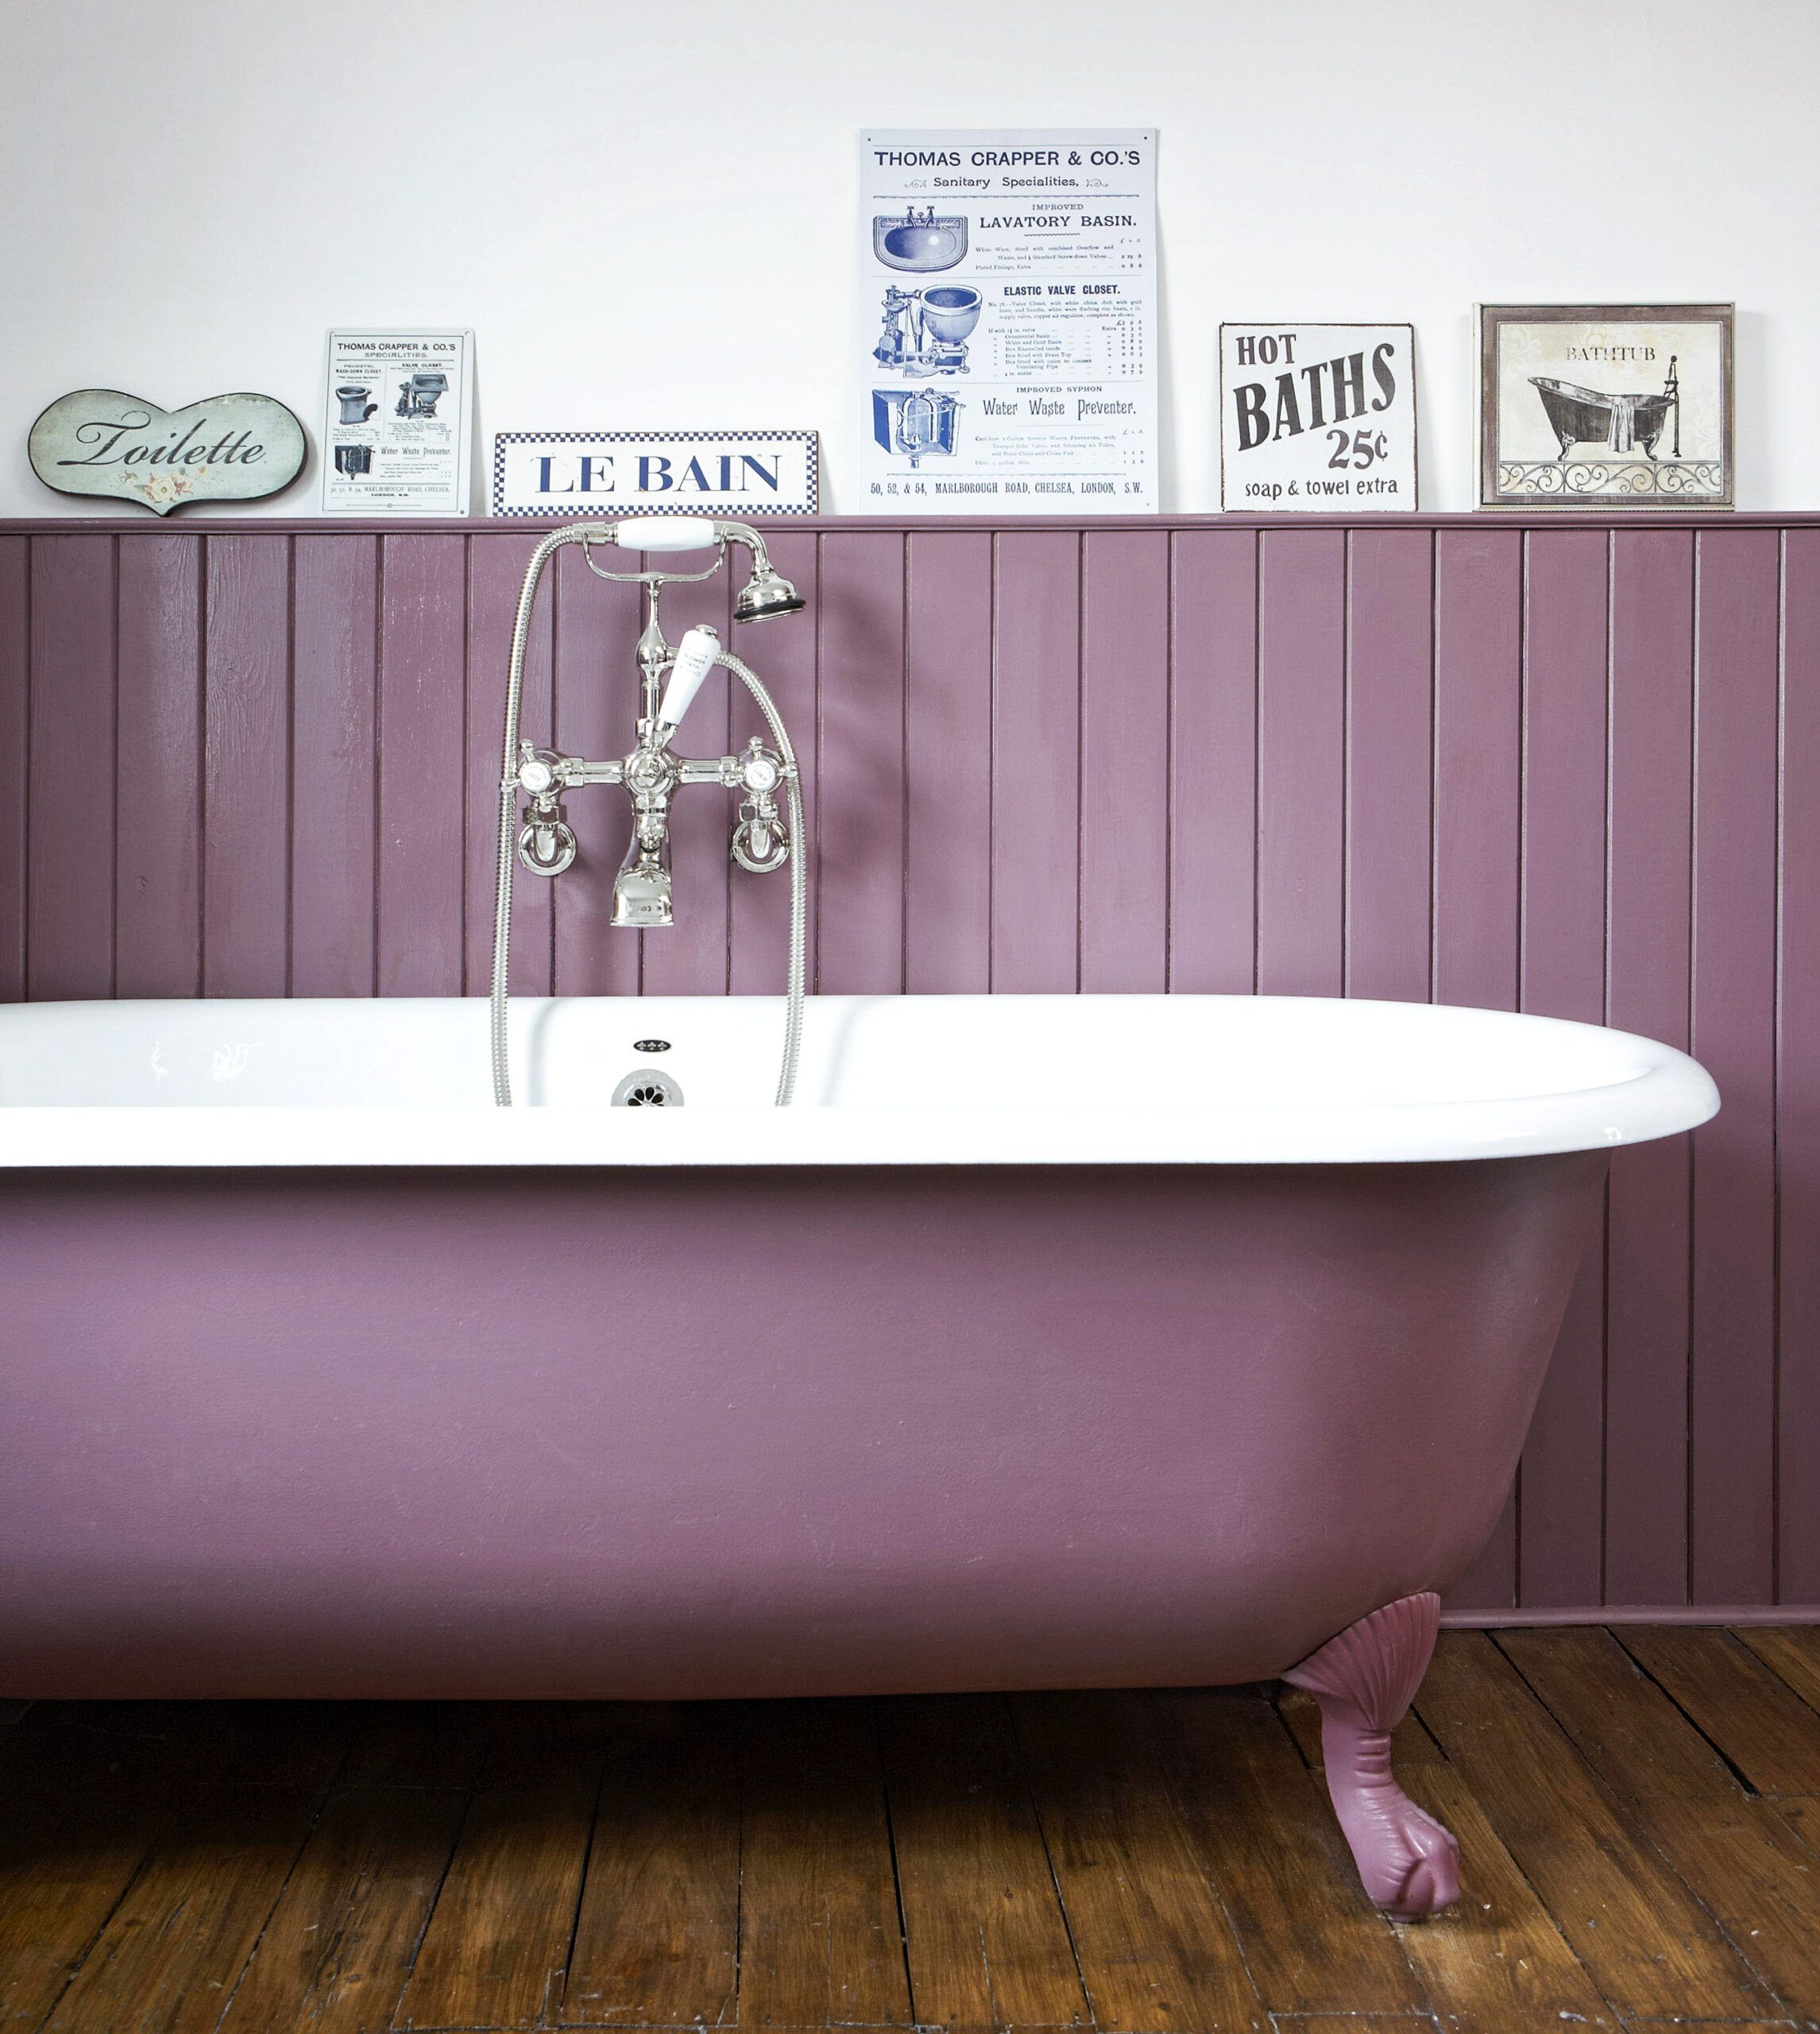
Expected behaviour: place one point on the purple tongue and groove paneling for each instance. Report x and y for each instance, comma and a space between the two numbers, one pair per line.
1564, 975
1570, 766
1301, 760
1797, 1436
1648, 930
948, 771
1213, 763
1389, 766
157, 844
334, 764
1731, 1384
1478, 685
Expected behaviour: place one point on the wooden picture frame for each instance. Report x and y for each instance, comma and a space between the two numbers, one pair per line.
1620, 406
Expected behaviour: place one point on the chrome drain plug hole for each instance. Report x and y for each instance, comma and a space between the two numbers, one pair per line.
646, 1088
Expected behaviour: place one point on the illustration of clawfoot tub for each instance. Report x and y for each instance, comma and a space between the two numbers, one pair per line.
1584, 416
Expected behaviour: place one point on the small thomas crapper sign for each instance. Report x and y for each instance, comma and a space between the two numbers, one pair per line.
1317, 417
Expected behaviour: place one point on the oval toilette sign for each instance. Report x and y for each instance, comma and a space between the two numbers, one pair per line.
228, 448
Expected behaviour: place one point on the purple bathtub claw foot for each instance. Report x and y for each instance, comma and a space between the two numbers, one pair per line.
1365, 1680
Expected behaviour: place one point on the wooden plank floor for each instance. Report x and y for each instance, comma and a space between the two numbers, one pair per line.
1639, 1811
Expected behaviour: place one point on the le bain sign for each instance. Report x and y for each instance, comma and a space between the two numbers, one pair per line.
675, 473
230, 448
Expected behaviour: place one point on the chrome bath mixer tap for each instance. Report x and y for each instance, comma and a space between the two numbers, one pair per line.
764, 778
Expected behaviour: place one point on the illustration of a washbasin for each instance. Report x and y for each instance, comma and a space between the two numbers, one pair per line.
919, 243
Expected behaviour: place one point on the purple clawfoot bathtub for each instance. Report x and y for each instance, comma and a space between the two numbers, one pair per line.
1047, 1341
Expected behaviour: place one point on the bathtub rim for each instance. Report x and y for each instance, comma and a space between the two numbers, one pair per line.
1663, 1094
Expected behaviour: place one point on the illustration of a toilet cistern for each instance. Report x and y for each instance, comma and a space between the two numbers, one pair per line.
927, 330
912, 422
762, 778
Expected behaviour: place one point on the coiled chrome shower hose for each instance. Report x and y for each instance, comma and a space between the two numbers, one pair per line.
594, 533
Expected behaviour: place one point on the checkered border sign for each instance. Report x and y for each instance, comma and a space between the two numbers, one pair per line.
729, 505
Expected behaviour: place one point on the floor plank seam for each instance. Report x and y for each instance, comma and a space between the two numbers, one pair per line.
1014, 1737
1629, 1810
1529, 1886
1175, 1779
158, 1824
562, 2005
738, 1738
1723, 1755
1534, 1890
290, 1873
891, 1845
434, 1901
1794, 1688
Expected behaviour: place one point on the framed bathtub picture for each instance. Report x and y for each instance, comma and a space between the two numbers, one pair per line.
1626, 405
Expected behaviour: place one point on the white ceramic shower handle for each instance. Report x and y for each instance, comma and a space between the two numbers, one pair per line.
695, 656
664, 533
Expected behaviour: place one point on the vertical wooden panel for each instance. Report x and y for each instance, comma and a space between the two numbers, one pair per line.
948, 846
332, 781
1125, 762
1648, 982
860, 764
1213, 763
15, 726
70, 904
246, 841
422, 773
1798, 1080
157, 936
495, 573
1478, 610
690, 956
1301, 762
782, 651
1732, 1454
592, 711
1389, 733
1563, 961
1036, 762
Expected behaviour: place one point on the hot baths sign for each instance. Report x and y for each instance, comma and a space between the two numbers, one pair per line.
1317, 417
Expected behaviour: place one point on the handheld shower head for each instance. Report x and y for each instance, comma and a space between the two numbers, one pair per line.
765, 594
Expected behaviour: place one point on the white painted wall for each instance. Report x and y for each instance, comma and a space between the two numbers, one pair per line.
645, 208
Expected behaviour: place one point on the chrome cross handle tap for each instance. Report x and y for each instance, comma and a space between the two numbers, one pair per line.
652, 774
